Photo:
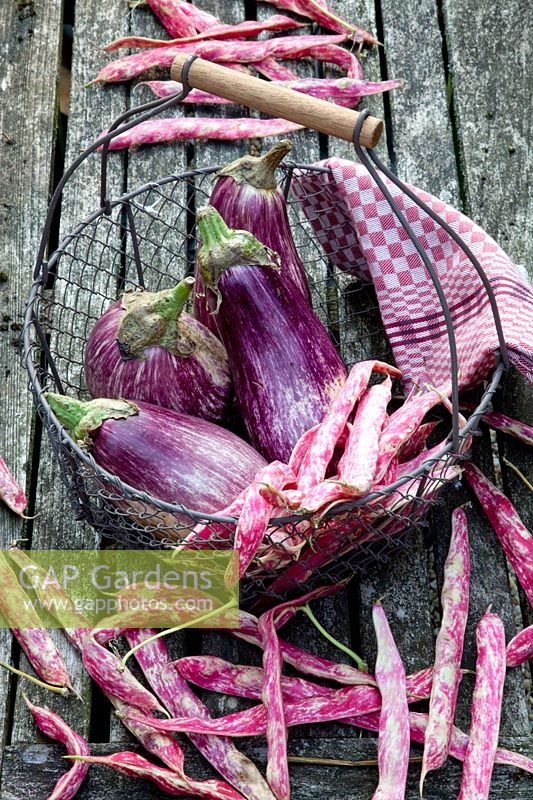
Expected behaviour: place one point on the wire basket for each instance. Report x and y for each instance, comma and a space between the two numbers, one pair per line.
147, 239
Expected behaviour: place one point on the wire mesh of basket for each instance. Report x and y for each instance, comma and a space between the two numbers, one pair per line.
147, 239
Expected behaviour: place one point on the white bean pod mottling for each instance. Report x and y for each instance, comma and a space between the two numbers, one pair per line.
486, 709
449, 647
393, 741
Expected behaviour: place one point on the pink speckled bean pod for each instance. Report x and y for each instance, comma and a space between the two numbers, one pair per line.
333, 54
220, 128
210, 531
301, 447
10, 492
515, 539
240, 51
449, 647
244, 681
241, 29
304, 662
358, 465
272, 69
485, 709
103, 667
174, 692
217, 675
276, 727
417, 728
416, 445
56, 728
202, 20
256, 512
393, 741
320, 12
501, 422
137, 766
520, 648
43, 655
35, 640
349, 702
343, 91
272, 695
162, 745
168, 750
320, 452
171, 15
401, 426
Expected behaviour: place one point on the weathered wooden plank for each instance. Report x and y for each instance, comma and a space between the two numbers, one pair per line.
40, 765
90, 111
422, 140
28, 119
491, 94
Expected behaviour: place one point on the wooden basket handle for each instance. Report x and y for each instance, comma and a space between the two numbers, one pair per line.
277, 101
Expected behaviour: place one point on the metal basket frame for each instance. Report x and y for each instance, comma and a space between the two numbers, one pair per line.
77, 464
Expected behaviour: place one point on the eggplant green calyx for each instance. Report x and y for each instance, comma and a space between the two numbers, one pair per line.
223, 248
152, 318
259, 172
81, 419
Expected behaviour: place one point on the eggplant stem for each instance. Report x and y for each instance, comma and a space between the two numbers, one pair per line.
62, 690
230, 604
362, 665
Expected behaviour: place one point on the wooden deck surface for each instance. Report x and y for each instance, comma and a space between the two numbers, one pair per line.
461, 129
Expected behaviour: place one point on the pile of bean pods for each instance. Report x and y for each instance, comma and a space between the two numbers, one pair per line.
195, 31
377, 702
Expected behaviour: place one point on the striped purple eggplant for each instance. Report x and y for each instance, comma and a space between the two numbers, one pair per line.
247, 196
285, 368
146, 347
175, 457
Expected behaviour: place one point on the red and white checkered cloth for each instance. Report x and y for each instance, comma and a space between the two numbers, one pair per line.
360, 234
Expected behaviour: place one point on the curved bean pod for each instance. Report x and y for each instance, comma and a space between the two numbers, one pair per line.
393, 741
173, 17
54, 727
401, 426
35, 640
221, 31
515, 539
485, 710
520, 648
514, 427
103, 667
319, 454
10, 492
256, 512
136, 766
449, 647
239, 51
220, 751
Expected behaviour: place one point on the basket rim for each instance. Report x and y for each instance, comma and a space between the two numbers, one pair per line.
29, 344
